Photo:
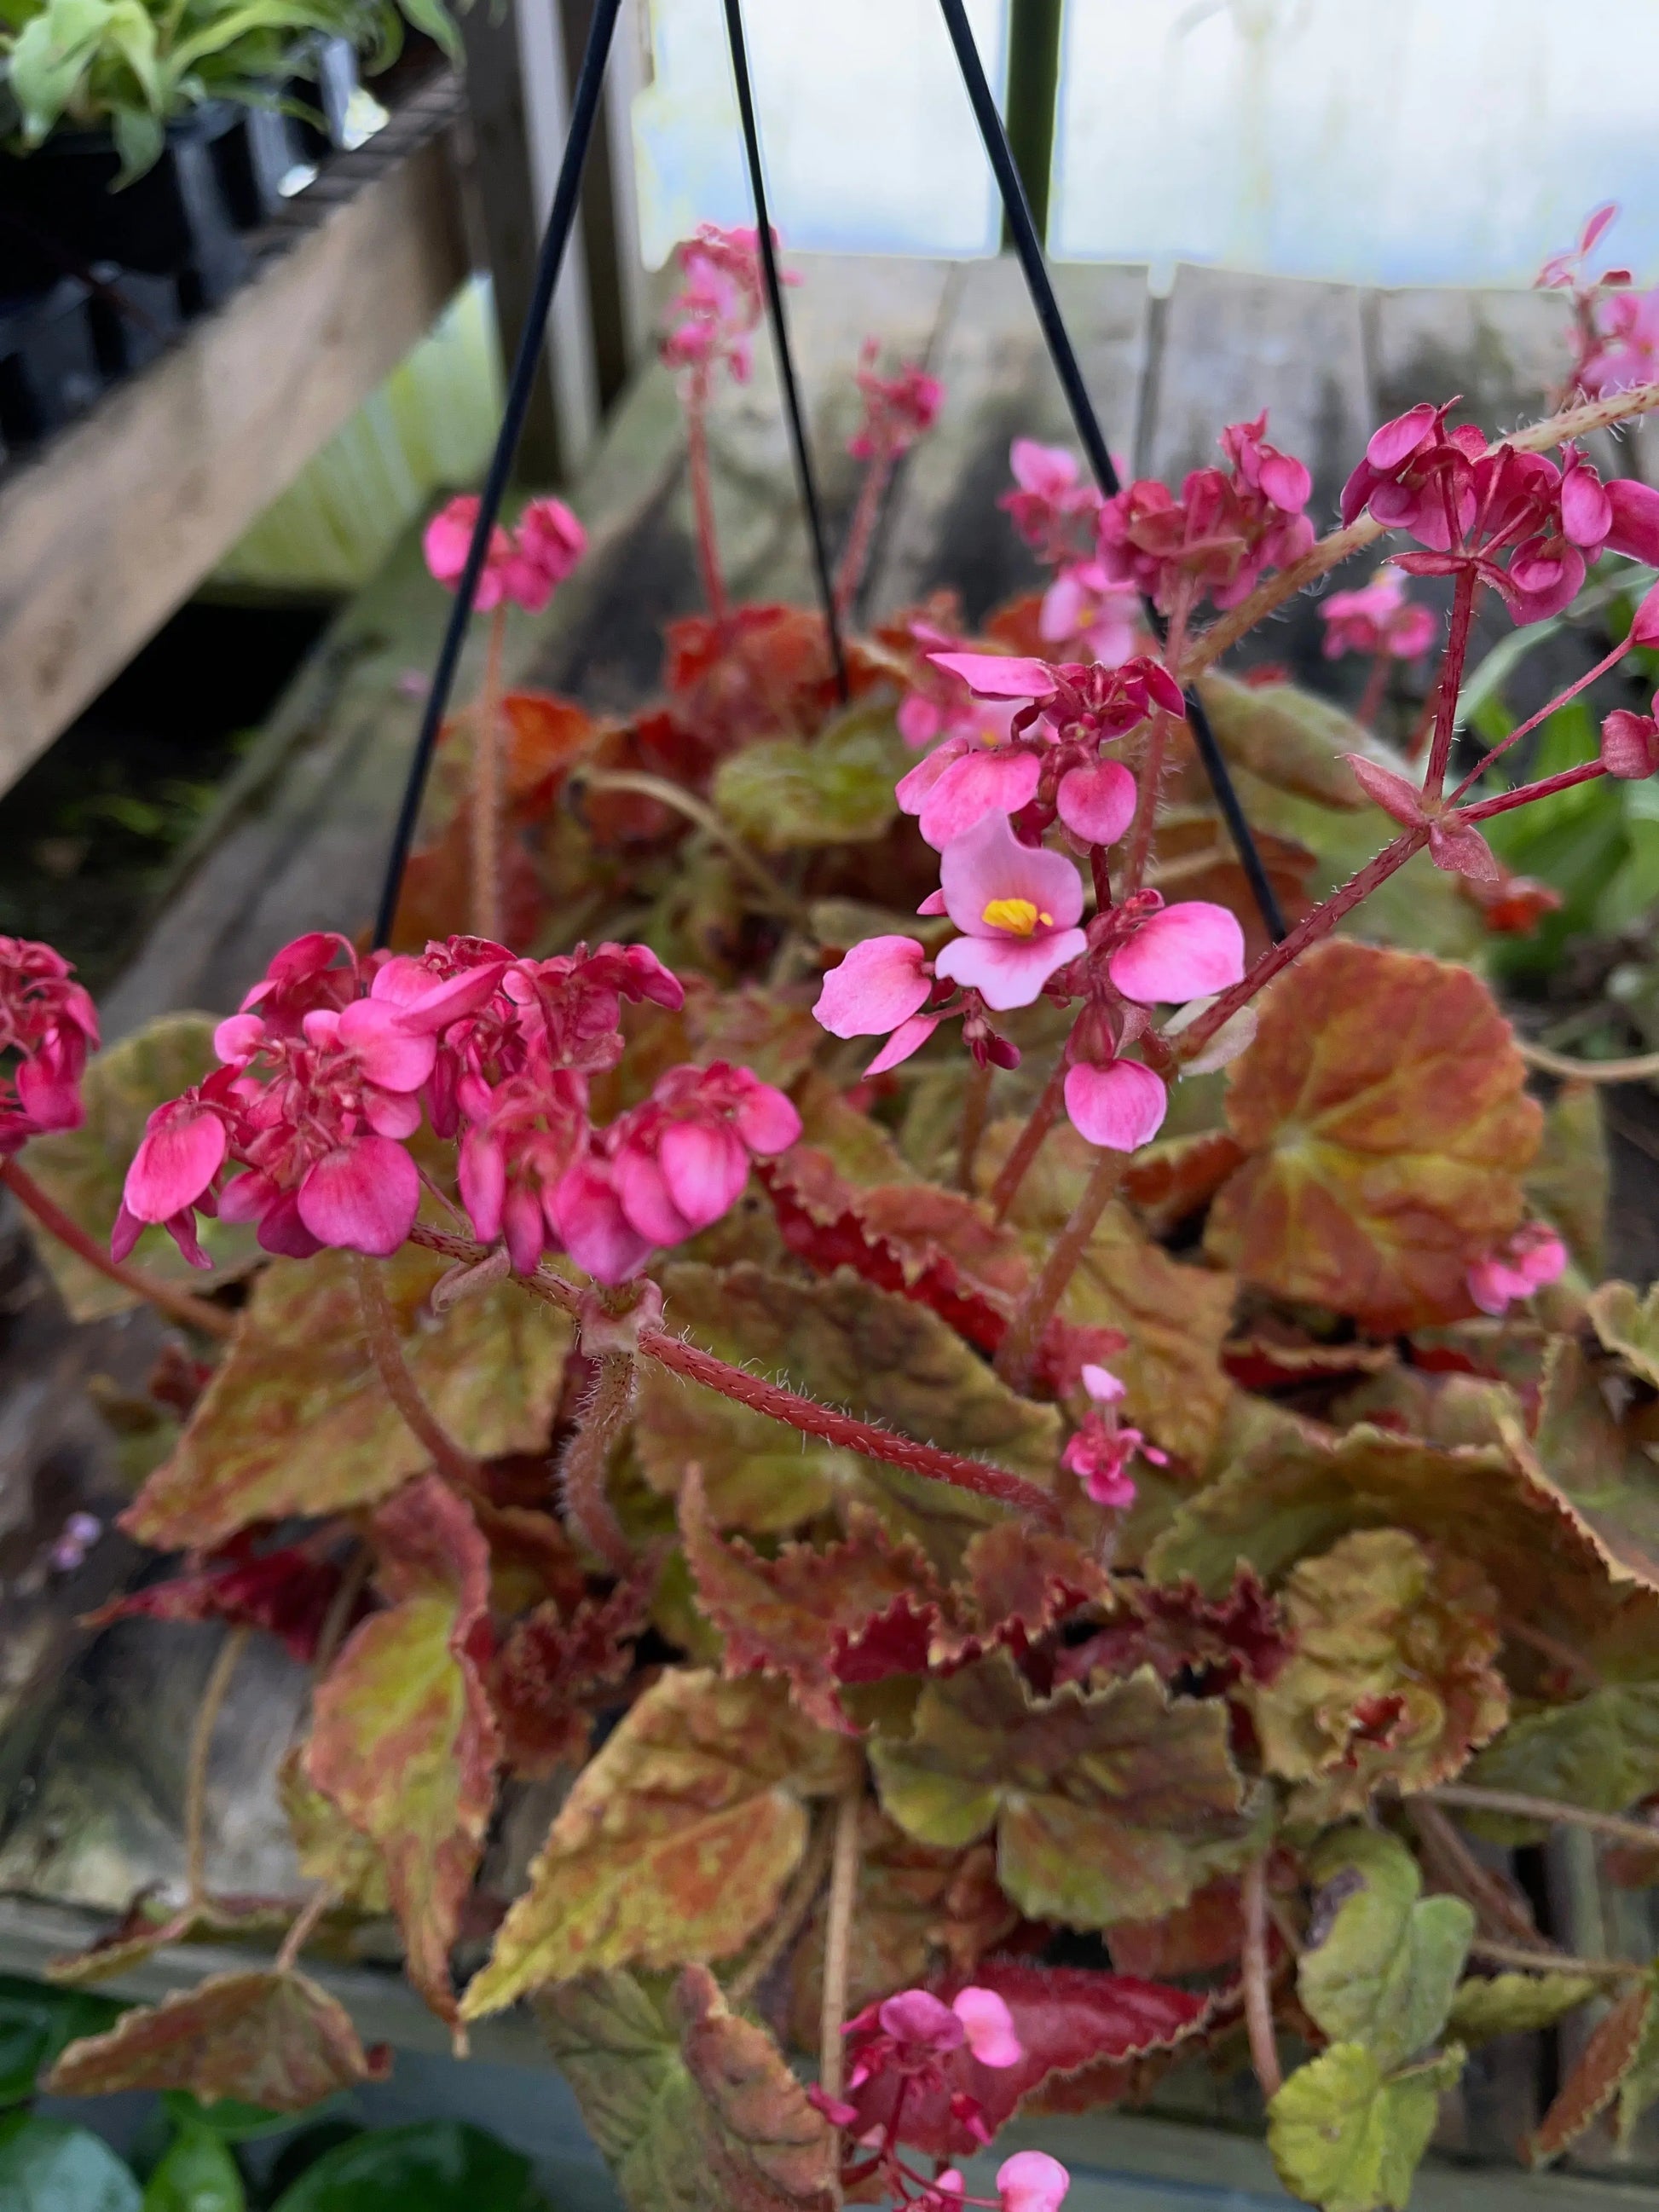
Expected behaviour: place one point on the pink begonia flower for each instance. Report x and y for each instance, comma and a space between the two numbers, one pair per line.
1627, 351
878, 984
988, 2025
1630, 744
1221, 534
548, 543
720, 305
1533, 1256
51, 1024
180, 1152
1096, 803
1079, 700
1032, 2181
1120, 1106
1051, 506
1085, 608
898, 408
1379, 618
959, 783
1456, 846
587, 1215
1018, 906
448, 538
1189, 950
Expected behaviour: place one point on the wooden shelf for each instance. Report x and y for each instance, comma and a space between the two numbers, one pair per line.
111, 526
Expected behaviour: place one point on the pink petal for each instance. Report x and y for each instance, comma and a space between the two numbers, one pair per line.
524, 1230
125, 1232
1586, 510
1049, 470
592, 1226
705, 1167
389, 1054
1120, 1107
1635, 529
1101, 1383
999, 675
1390, 792
173, 1165
1630, 744
483, 1182
920, 721
364, 1196
1644, 627
766, 1119
1097, 803
642, 1192
990, 863
434, 1006
1459, 848
1287, 482
989, 2025
391, 1113
1009, 971
981, 783
1032, 2181
933, 903
912, 787
909, 1036
50, 1098
283, 1233
238, 1038
1397, 440
880, 984
1185, 951
917, 2016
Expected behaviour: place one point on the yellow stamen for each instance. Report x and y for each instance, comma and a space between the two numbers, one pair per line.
1018, 916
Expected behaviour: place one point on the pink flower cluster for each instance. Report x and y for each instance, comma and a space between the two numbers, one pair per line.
1519, 523
718, 309
1100, 1450
1219, 538
897, 410
1615, 331
1084, 610
328, 1068
524, 565
50, 1024
1531, 1259
1377, 619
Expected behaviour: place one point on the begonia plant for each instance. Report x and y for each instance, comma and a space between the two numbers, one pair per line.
1009, 1468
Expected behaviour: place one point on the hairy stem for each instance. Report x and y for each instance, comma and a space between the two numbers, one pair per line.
201, 1750
487, 790
380, 1330
1258, 1990
1320, 923
1520, 1805
1016, 1353
1525, 729
1524, 793
1451, 682
178, 1305
790, 1916
702, 493
1140, 833
860, 534
976, 1102
838, 1936
585, 1463
305, 1927
773, 1399
1554, 1962
1029, 1143
1476, 1884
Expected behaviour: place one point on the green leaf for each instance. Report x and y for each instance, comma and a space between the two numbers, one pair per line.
36, 2023
1515, 2004
1291, 738
197, 2174
83, 1169
691, 2105
1347, 2136
1110, 1805
227, 2118
1601, 1751
48, 2166
838, 790
427, 2166
1382, 1960
1628, 1323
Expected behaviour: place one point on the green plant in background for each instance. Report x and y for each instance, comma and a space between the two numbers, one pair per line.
196, 2157
134, 66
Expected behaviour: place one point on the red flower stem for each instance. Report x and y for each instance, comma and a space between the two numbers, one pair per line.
1320, 559
1524, 793
777, 1403
1451, 681
585, 1463
1017, 1354
860, 536
179, 1305
702, 494
487, 790
1151, 764
1371, 698
1029, 1143
1258, 1989
976, 1101
381, 1331
1543, 714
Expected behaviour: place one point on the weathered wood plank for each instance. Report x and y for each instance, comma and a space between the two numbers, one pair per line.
119, 520
944, 531
1502, 350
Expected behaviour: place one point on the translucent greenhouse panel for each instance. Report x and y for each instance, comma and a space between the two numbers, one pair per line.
1386, 142
869, 142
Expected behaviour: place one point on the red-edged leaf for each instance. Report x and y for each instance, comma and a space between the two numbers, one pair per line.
1066, 2018
1279, 1357
403, 1740
759, 672
1166, 1183
287, 1592
1177, 1629
546, 734
1197, 1937
544, 1680
1594, 2081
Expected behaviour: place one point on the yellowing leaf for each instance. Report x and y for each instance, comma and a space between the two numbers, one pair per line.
691, 2105
837, 790
83, 1169
676, 1842
1383, 1106
275, 2040
849, 1345
329, 1849
296, 1421
1348, 2136
1110, 1805
1391, 1678
1515, 2004
402, 1738
1382, 1960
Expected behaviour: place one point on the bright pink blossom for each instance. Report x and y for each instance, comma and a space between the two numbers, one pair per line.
898, 408
1630, 744
1083, 608
1018, 906
1227, 529
1533, 1256
1100, 1451
50, 1023
880, 983
1119, 1105
960, 782
1051, 506
1174, 953
1377, 619
716, 312
1625, 351
522, 566
1032, 2181
1096, 802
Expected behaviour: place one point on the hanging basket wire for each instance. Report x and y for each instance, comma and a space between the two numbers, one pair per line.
1023, 233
